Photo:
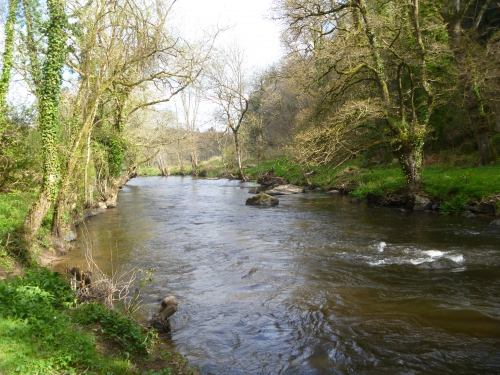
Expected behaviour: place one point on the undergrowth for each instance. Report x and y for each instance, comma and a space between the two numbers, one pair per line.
44, 330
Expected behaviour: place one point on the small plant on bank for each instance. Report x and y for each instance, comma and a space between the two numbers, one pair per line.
454, 206
122, 330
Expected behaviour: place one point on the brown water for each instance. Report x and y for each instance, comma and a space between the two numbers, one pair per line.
315, 285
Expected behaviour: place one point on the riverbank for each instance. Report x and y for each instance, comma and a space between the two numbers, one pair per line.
44, 329
454, 188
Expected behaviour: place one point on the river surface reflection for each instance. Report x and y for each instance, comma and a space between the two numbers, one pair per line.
315, 285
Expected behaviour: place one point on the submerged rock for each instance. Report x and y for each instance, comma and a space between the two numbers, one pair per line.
334, 191
111, 201
356, 200
441, 264
70, 236
285, 190
254, 190
495, 223
262, 199
468, 215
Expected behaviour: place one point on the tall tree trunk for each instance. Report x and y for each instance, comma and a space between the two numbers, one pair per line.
48, 117
7, 61
71, 165
238, 154
410, 159
162, 165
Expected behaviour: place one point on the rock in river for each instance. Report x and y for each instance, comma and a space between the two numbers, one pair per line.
495, 223
262, 200
169, 307
285, 190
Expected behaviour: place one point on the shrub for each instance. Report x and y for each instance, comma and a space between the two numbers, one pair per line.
454, 206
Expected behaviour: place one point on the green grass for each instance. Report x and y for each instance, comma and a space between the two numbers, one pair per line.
39, 337
14, 207
148, 171
473, 182
455, 187
43, 330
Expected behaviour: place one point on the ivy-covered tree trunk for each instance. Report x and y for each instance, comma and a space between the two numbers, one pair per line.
410, 158
7, 60
48, 95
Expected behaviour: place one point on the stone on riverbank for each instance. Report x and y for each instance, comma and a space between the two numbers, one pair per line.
285, 190
422, 203
262, 200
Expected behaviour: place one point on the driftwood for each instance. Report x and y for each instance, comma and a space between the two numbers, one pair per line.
79, 279
168, 307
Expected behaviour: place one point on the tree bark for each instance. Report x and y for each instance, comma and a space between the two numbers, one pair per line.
238, 154
33, 220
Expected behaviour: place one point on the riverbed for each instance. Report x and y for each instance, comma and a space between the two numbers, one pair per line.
314, 285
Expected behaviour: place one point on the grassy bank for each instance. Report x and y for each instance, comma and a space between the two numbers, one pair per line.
454, 187
44, 330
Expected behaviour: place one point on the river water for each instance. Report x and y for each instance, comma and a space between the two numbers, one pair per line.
315, 285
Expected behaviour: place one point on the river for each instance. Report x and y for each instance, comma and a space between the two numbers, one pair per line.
314, 285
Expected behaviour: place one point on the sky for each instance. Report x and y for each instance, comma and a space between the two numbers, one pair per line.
249, 22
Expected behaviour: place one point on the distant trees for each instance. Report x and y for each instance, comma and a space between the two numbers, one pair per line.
229, 88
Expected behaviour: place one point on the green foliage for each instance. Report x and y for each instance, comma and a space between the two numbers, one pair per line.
454, 206
114, 326
7, 60
37, 336
13, 209
380, 182
116, 149
110, 147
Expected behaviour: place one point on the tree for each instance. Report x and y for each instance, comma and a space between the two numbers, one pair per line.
47, 79
190, 100
127, 60
229, 90
369, 67
265, 107
469, 26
